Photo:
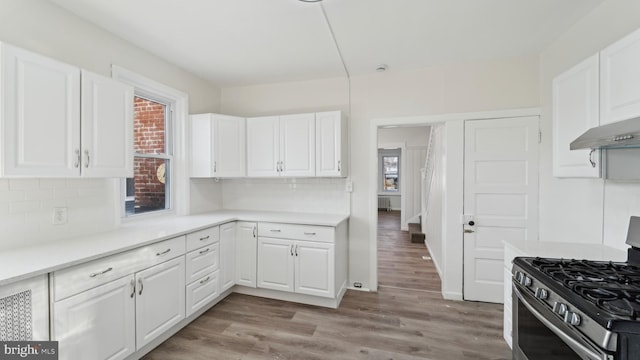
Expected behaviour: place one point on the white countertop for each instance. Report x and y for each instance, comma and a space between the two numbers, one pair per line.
597, 252
23, 263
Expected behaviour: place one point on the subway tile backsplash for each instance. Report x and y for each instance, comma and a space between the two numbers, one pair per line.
26, 209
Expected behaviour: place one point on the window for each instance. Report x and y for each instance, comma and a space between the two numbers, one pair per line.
149, 189
389, 161
390, 173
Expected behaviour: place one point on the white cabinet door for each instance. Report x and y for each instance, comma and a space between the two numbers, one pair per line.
202, 292
275, 264
98, 323
227, 255
575, 110
298, 145
201, 142
620, 80
314, 268
246, 253
229, 146
160, 301
331, 147
41, 115
107, 127
263, 146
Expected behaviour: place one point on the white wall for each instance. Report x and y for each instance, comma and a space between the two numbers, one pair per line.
433, 218
507, 84
26, 205
582, 210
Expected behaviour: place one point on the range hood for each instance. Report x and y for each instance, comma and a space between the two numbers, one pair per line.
620, 134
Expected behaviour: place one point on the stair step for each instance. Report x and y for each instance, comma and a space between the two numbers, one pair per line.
415, 233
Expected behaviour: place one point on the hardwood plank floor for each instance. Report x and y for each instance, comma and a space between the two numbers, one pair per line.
400, 262
407, 319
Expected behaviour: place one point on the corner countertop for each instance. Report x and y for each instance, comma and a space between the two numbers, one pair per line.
566, 250
22, 263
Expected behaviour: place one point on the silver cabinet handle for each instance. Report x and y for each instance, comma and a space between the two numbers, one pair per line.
164, 252
77, 163
205, 238
593, 163
278, 166
141, 286
309, 233
87, 158
101, 272
291, 250
254, 231
215, 166
275, 230
205, 280
205, 251
296, 250
133, 288
339, 163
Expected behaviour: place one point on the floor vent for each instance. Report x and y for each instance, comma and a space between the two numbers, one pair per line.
384, 203
15, 317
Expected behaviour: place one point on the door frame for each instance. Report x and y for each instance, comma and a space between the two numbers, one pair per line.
452, 249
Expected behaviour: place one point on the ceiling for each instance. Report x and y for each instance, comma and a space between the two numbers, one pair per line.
242, 42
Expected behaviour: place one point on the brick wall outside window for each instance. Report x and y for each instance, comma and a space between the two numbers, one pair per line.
149, 138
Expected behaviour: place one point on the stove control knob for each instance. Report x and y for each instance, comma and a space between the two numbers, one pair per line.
559, 308
526, 281
542, 294
518, 276
572, 318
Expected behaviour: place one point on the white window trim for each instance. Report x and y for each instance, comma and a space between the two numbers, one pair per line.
391, 146
179, 185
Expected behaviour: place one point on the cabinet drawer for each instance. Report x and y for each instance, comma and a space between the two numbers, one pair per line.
203, 237
85, 276
202, 291
202, 261
298, 232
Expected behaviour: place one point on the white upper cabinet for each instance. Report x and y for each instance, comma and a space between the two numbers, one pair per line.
281, 145
47, 132
107, 127
40, 116
263, 146
298, 145
331, 144
217, 146
620, 80
575, 110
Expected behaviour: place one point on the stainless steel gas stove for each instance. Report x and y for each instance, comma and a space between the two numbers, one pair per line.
578, 309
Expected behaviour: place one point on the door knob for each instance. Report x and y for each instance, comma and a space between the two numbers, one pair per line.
471, 223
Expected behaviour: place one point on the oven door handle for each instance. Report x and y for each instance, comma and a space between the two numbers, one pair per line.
573, 343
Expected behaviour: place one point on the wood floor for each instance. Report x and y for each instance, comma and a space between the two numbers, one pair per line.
394, 323
400, 262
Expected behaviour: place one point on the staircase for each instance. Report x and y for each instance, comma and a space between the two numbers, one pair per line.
415, 232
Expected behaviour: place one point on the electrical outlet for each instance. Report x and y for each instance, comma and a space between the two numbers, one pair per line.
59, 215
349, 186
357, 285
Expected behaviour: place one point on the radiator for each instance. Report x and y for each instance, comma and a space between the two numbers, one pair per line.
15, 317
384, 203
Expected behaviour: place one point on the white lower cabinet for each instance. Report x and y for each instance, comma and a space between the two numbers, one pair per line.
97, 324
227, 255
246, 242
203, 273
160, 300
106, 318
275, 264
202, 291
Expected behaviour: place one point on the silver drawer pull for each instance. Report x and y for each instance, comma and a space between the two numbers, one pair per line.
205, 238
162, 253
309, 233
205, 280
275, 230
133, 288
205, 251
141, 286
101, 272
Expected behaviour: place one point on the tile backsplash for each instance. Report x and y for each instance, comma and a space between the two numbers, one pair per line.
26, 209
313, 195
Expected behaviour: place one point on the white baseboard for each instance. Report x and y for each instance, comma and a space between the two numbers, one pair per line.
448, 295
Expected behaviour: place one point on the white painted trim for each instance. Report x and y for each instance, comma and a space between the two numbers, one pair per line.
180, 100
452, 201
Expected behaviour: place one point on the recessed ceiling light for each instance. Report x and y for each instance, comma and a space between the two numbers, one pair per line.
381, 68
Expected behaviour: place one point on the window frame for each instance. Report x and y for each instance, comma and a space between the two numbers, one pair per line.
386, 152
177, 199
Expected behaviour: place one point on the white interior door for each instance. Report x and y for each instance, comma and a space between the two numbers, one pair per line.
500, 198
